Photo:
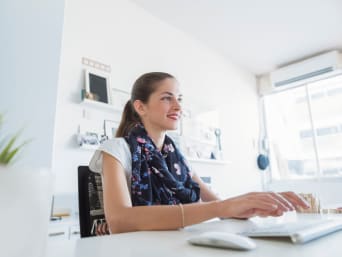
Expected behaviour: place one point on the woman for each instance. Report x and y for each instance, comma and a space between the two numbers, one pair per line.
147, 184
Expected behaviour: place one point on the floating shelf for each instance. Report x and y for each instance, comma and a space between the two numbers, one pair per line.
208, 161
199, 141
89, 147
100, 105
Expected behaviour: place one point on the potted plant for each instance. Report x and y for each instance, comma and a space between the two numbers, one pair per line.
26, 194
8, 146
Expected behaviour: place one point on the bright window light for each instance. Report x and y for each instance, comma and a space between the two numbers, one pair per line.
304, 130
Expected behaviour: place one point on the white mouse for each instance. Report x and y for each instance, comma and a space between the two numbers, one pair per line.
223, 240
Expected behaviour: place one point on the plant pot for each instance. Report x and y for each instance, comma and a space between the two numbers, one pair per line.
25, 198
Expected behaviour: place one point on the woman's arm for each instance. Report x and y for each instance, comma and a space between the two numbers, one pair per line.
122, 217
206, 194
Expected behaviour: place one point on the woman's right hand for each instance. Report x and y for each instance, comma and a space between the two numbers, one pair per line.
260, 204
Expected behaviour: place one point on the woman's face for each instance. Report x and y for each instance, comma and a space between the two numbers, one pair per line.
163, 110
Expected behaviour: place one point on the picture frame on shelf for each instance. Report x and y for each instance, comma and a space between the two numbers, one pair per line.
110, 128
119, 97
97, 86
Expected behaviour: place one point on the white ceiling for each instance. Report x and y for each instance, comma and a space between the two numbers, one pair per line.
258, 35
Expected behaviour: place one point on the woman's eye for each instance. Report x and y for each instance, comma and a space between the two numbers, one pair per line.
167, 98
170, 99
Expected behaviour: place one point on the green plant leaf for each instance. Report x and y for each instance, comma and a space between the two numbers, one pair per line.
13, 152
8, 152
10, 155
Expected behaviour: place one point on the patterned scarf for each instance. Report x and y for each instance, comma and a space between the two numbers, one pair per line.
159, 177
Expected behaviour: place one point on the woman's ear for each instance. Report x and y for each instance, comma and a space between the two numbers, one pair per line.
139, 107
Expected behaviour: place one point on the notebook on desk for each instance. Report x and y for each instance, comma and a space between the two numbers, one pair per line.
299, 232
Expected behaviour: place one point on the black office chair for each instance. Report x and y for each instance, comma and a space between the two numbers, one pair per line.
90, 200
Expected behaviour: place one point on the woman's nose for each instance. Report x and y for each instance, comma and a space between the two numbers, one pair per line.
177, 105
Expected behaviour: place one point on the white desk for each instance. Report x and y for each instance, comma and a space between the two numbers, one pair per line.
65, 229
173, 243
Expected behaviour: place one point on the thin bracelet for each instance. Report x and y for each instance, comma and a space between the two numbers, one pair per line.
182, 211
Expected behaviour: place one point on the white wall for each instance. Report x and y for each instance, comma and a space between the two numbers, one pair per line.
31, 34
132, 41
240, 136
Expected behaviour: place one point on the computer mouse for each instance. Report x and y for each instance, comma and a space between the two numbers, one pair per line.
223, 240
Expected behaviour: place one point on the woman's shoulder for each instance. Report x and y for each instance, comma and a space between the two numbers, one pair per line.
117, 145
114, 142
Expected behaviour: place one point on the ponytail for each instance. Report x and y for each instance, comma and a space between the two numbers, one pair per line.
128, 120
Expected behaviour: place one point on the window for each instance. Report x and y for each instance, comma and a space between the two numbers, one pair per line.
304, 130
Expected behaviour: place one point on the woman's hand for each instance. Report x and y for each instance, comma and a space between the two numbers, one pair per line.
296, 200
102, 229
260, 204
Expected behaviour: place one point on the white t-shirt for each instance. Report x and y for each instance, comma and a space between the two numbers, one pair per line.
119, 149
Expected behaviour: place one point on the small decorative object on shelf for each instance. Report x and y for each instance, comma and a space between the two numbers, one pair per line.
89, 140
217, 154
88, 95
198, 140
95, 64
89, 135
204, 146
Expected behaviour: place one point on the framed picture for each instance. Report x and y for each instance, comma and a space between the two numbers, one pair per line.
119, 98
97, 86
110, 128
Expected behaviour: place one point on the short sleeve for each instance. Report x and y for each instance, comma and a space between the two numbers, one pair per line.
116, 147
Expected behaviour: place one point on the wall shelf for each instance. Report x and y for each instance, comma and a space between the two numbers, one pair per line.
89, 147
100, 105
208, 161
199, 141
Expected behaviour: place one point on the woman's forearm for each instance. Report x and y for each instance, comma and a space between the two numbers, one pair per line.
161, 217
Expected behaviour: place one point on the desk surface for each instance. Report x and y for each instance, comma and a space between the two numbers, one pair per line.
173, 243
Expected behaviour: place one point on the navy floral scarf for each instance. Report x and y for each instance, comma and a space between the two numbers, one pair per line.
159, 177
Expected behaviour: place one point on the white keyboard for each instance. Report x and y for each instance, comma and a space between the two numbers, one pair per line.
299, 232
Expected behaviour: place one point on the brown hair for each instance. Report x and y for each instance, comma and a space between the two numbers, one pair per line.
143, 87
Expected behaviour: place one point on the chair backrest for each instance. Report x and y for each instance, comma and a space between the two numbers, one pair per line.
90, 199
